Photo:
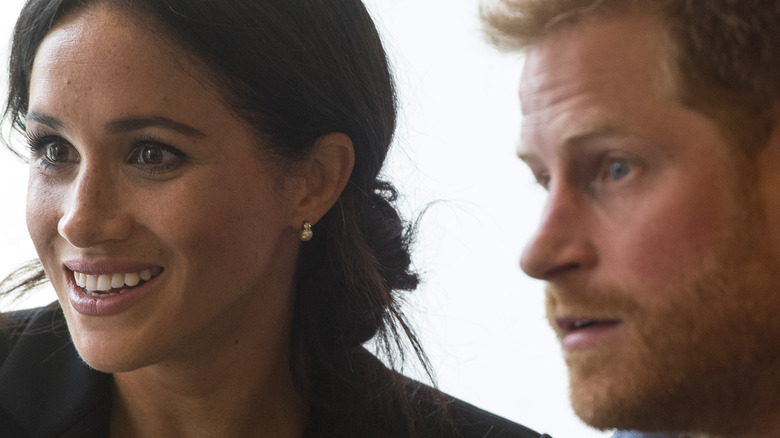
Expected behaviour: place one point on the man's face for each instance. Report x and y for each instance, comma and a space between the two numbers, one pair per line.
658, 263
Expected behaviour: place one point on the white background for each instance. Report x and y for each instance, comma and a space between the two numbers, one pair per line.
480, 318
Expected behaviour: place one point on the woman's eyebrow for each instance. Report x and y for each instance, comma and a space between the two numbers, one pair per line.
136, 123
45, 119
123, 125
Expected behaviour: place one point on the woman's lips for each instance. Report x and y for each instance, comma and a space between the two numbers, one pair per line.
106, 289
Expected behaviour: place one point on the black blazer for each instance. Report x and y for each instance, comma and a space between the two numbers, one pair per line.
46, 390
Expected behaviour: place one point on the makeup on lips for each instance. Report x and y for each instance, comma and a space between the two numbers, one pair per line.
108, 287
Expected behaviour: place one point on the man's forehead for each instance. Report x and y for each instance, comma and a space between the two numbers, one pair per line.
609, 47
591, 80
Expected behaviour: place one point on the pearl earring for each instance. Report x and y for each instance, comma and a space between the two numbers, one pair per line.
306, 232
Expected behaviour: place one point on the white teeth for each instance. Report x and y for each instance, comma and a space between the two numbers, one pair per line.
107, 282
117, 280
92, 281
132, 279
103, 282
81, 279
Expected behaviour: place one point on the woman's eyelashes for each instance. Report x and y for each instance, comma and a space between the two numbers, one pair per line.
51, 151
149, 155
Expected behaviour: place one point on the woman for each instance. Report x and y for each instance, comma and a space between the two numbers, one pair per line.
203, 197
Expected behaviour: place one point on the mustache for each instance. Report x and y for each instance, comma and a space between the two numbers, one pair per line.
606, 302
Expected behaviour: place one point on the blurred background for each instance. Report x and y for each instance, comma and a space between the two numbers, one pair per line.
480, 318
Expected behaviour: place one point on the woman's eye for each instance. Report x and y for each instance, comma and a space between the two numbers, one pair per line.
152, 155
156, 158
619, 169
52, 151
57, 153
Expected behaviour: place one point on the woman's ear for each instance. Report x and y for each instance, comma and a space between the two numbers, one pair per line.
325, 172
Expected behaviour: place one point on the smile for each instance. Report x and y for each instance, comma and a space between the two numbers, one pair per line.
113, 284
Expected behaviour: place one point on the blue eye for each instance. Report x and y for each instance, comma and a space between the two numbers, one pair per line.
618, 169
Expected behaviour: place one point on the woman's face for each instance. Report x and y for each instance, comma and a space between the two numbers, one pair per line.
163, 230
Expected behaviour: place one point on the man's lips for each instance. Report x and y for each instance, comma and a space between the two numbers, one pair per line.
584, 333
569, 324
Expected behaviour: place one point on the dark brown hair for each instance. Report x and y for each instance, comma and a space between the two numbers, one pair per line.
295, 70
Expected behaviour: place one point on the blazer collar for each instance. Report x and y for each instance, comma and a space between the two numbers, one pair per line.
45, 387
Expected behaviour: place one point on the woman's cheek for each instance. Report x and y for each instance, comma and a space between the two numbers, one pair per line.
42, 214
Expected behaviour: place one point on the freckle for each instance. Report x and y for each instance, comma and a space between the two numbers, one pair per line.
236, 342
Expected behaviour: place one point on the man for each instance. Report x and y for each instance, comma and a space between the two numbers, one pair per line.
655, 128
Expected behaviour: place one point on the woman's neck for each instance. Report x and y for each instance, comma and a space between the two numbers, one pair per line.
239, 390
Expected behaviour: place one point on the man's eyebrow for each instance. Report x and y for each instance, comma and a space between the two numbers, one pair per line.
576, 136
580, 135
136, 123
588, 132
45, 119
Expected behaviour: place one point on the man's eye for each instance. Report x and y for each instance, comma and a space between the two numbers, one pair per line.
618, 169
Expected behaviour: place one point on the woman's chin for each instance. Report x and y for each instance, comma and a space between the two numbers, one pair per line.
109, 356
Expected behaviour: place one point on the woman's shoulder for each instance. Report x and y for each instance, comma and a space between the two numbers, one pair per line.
471, 421
21, 324
45, 387
464, 420
387, 404
634, 434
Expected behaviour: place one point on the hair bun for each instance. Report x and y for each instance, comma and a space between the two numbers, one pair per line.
389, 238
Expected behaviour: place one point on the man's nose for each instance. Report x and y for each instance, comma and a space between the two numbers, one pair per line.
562, 243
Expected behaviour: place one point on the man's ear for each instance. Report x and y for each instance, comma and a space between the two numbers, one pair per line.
325, 172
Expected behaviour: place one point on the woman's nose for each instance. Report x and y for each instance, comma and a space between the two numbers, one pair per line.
562, 242
94, 210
